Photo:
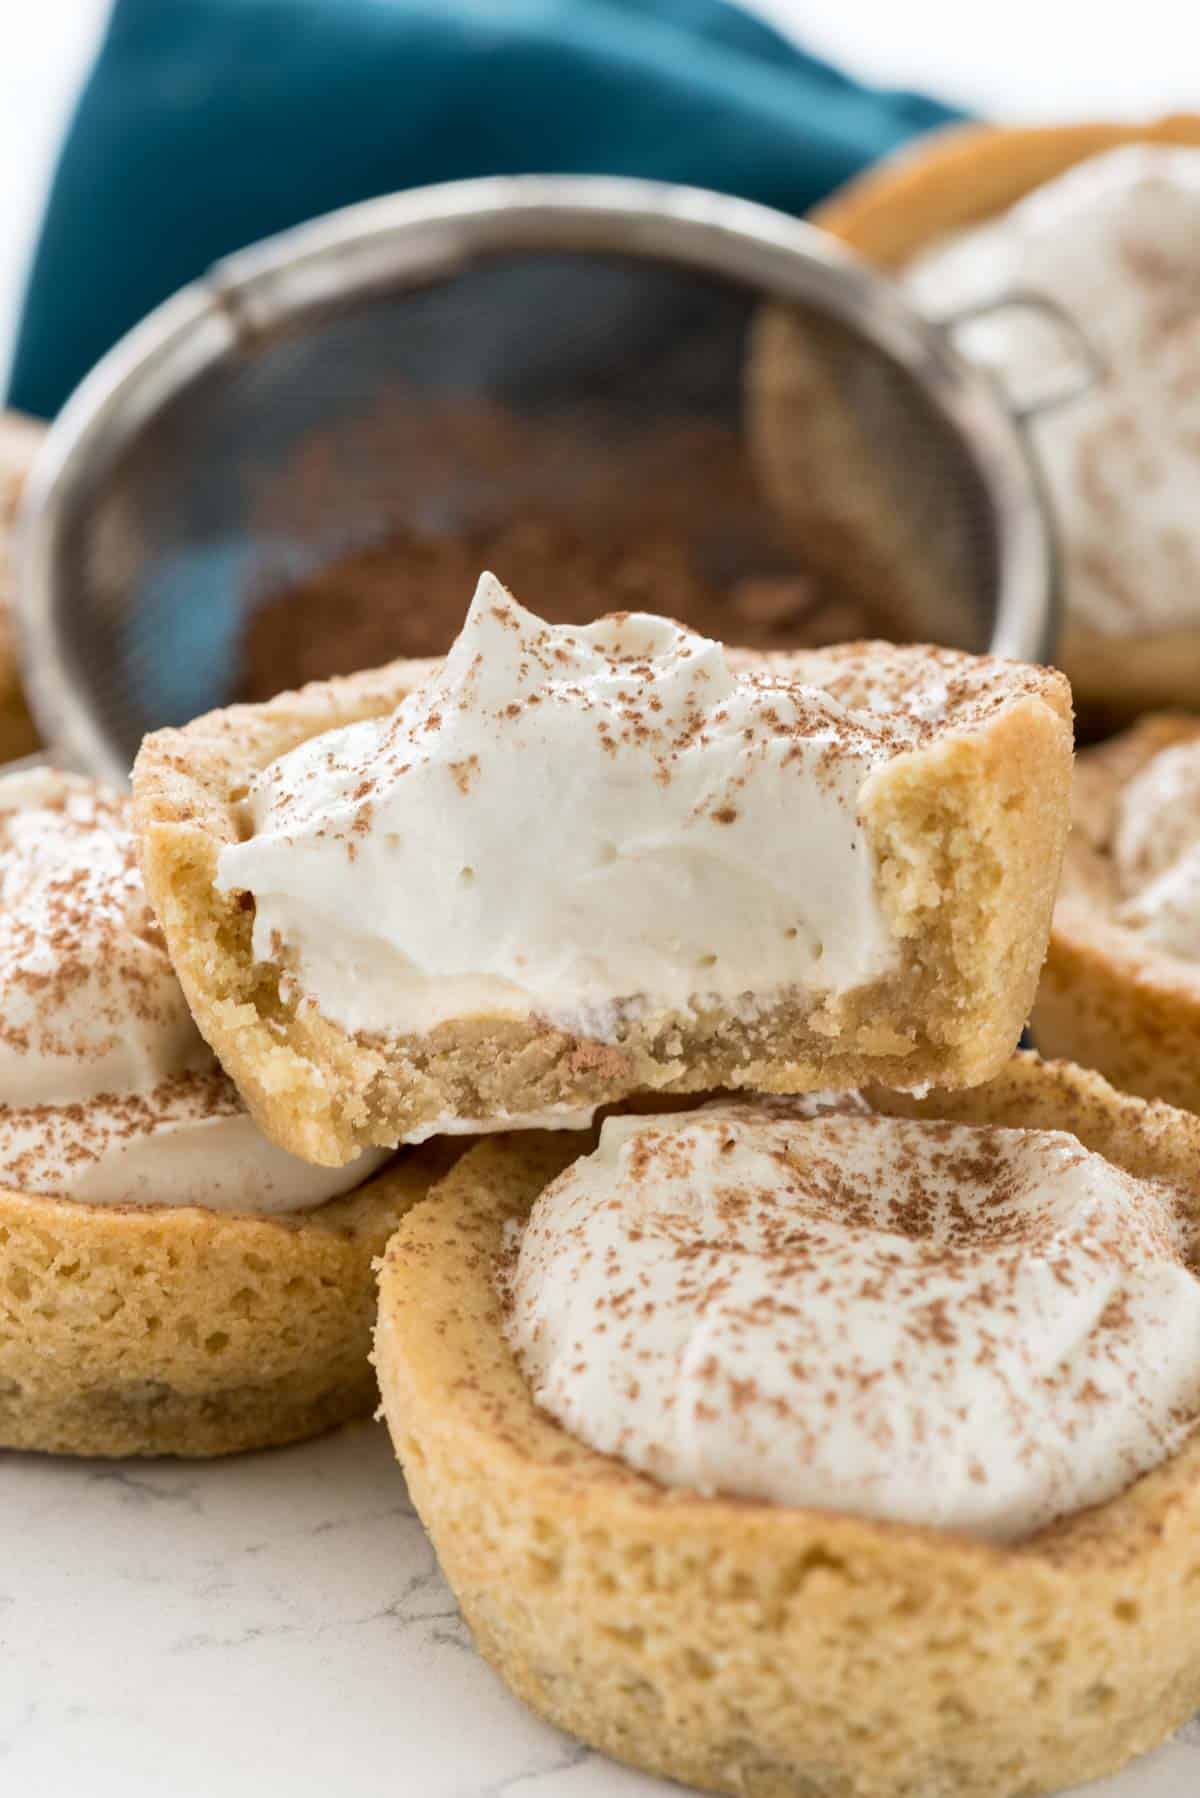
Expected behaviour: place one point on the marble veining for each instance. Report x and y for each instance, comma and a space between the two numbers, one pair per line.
275, 1622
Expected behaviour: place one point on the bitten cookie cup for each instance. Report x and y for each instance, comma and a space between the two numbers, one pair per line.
180, 1331
1109, 998
946, 183
964, 828
756, 1649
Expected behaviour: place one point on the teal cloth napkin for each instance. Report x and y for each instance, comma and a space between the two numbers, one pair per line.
207, 124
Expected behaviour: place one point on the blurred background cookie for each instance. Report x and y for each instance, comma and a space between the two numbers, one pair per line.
1120, 990
1103, 221
20, 438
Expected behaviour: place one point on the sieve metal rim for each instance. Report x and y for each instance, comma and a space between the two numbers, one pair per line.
409, 238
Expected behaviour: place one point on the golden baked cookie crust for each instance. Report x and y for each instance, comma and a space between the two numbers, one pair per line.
946, 182
755, 1649
180, 1331
960, 175
1107, 998
967, 831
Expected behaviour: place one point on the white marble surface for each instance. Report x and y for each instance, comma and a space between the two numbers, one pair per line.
274, 1624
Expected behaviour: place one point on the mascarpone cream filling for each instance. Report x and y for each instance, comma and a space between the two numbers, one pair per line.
109, 1094
967, 1327
1116, 242
581, 824
1156, 852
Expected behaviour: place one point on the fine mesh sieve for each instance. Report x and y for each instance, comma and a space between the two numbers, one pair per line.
602, 351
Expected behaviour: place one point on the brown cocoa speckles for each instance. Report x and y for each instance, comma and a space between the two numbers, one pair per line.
83, 964
644, 690
45, 1148
942, 1296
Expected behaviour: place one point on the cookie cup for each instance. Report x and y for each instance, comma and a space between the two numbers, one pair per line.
181, 1331
966, 832
947, 182
758, 1649
1106, 997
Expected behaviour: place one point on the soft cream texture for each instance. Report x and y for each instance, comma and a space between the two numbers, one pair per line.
964, 1326
561, 1117
569, 822
90, 1003
109, 1093
1116, 242
1156, 851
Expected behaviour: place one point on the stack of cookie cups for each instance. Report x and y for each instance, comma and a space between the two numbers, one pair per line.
797, 1440
798, 1383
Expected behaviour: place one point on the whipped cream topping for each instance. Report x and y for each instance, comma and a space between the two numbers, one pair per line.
554, 1117
109, 1094
1116, 242
1156, 851
962, 1326
578, 823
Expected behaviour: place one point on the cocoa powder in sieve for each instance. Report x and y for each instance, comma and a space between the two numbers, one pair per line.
406, 596
670, 519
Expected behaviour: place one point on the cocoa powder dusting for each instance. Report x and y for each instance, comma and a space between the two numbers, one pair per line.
406, 597
889, 1272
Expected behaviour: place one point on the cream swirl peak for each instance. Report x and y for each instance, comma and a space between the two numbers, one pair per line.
573, 823
1116, 242
963, 1326
1156, 851
107, 1091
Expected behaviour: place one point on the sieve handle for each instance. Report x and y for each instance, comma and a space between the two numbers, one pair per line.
1089, 369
